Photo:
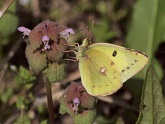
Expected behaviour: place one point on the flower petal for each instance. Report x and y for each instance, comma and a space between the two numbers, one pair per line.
76, 100
22, 29
25, 31
45, 38
67, 32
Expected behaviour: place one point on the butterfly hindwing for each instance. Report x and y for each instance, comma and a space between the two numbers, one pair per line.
99, 74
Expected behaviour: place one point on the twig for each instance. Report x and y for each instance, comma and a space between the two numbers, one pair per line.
5, 6
4, 63
12, 118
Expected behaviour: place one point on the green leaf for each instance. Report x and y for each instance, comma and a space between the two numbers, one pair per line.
147, 29
9, 22
24, 77
23, 118
7, 94
64, 107
119, 121
20, 102
86, 117
44, 122
56, 72
152, 105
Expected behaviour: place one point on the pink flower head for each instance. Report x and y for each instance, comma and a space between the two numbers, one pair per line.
67, 32
25, 31
76, 103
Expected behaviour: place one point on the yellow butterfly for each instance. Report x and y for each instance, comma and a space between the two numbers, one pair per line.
105, 67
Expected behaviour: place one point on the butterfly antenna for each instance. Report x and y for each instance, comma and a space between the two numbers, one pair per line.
92, 25
91, 33
88, 34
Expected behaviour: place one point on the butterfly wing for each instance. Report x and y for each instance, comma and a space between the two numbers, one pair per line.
99, 75
128, 61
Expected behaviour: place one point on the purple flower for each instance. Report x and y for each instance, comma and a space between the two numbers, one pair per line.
67, 32
25, 31
45, 40
46, 47
76, 103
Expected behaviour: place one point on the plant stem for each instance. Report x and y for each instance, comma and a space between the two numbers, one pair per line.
49, 100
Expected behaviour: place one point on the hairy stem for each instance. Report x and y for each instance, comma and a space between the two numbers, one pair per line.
49, 100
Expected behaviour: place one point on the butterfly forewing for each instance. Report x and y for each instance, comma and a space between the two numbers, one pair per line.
128, 61
99, 74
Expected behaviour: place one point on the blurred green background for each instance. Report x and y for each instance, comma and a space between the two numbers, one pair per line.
137, 24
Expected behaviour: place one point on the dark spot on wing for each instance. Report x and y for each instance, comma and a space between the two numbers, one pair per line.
132, 64
128, 67
114, 53
136, 61
122, 70
112, 63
